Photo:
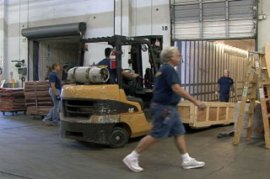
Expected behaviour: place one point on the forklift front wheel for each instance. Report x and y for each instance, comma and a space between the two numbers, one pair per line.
119, 137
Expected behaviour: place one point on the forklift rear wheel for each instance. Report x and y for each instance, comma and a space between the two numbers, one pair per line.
119, 137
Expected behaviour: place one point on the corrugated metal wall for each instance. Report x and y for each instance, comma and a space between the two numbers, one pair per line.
203, 63
214, 19
51, 52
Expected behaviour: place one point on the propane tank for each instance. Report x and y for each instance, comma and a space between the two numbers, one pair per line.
90, 74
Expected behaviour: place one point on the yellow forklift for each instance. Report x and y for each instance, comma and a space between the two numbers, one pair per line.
97, 110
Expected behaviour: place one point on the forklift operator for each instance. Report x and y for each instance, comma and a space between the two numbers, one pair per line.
129, 78
107, 62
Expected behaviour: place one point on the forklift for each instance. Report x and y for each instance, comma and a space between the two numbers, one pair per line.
112, 113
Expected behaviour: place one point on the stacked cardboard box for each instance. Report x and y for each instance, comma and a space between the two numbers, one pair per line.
12, 100
37, 98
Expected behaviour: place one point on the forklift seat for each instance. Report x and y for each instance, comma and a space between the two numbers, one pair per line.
134, 99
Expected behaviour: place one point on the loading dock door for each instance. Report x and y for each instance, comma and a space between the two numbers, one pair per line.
213, 19
65, 52
53, 44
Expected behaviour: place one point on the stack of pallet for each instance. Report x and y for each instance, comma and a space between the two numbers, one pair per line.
37, 98
12, 100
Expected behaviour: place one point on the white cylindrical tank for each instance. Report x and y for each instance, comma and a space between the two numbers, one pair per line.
90, 74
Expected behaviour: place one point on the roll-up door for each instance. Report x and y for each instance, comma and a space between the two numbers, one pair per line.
54, 44
213, 19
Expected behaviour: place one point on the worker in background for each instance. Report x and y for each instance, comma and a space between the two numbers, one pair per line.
107, 62
166, 120
55, 86
224, 87
129, 76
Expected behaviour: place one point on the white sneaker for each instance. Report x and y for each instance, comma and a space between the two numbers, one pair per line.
192, 163
132, 163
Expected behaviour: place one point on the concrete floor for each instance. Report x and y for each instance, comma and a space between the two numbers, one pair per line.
28, 149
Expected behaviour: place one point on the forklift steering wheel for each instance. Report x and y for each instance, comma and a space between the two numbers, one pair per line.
131, 83
135, 75
127, 70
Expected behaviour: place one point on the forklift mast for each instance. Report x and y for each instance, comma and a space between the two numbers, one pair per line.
138, 44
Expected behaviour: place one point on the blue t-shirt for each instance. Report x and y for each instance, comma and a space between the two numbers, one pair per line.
163, 93
53, 78
225, 84
106, 62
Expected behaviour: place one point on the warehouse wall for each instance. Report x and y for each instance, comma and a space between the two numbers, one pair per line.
2, 34
16, 45
151, 17
2, 22
131, 17
263, 24
26, 13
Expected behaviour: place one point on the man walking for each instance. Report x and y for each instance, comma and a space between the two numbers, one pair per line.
165, 117
55, 86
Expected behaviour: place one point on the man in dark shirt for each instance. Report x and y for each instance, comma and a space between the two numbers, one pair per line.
225, 84
165, 117
107, 62
55, 86
128, 76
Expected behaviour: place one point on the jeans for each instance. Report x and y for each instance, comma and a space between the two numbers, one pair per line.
53, 114
166, 121
224, 97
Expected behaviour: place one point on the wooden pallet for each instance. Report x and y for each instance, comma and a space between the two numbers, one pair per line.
12, 100
37, 98
13, 112
39, 110
216, 113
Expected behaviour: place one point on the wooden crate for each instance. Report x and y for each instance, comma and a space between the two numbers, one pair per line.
216, 113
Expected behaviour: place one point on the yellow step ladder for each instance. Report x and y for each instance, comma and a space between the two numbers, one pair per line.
257, 86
